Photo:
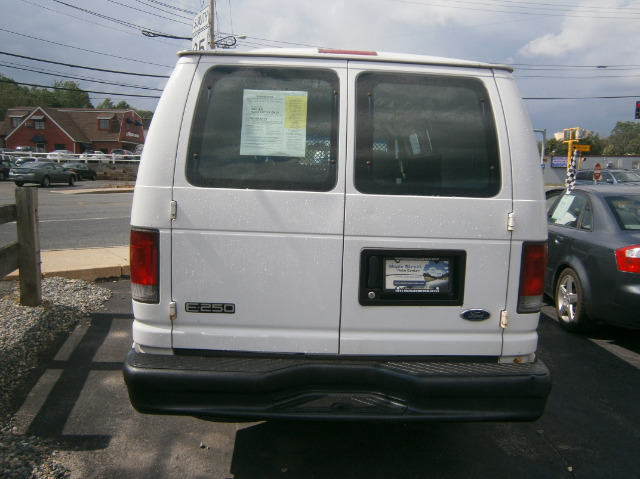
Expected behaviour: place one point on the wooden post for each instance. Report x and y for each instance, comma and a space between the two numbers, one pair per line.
28, 246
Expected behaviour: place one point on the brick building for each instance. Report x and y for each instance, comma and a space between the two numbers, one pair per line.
74, 129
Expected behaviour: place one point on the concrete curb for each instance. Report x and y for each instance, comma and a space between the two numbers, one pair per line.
88, 264
126, 189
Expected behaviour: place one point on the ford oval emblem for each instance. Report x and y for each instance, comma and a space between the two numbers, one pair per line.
475, 314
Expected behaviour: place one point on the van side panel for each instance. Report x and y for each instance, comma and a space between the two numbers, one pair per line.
520, 336
152, 198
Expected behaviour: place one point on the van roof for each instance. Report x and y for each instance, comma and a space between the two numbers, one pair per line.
348, 55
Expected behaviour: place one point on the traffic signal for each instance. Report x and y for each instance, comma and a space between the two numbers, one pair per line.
638, 110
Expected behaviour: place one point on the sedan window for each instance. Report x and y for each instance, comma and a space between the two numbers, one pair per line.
567, 210
627, 176
626, 210
586, 222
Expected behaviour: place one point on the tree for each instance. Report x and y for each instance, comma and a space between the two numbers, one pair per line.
556, 147
69, 95
12, 95
624, 139
62, 95
560, 148
107, 104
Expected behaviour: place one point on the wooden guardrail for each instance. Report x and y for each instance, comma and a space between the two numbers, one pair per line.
24, 254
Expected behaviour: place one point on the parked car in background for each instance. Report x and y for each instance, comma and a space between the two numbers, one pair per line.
5, 168
61, 154
608, 176
82, 171
42, 173
93, 155
126, 154
27, 159
8, 152
29, 149
593, 268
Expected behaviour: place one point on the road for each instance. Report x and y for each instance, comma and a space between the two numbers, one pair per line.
591, 427
69, 221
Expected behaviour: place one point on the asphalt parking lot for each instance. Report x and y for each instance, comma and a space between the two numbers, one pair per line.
591, 428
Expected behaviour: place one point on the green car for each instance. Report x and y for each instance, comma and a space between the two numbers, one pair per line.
41, 173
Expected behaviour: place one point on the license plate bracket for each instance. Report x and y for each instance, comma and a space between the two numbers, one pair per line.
412, 277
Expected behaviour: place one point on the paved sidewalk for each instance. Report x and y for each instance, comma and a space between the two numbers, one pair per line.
88, 264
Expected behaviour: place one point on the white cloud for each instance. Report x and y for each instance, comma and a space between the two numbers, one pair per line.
523, 32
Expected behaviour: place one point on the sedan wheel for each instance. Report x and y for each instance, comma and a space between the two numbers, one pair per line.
45, 181
570, 302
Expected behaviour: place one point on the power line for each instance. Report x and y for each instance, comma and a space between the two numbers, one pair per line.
87, 50
83, 20
79, 90
571, 77
173, 7
83, 67
106, 17
150, 13
599, 12
74, 77
612, 97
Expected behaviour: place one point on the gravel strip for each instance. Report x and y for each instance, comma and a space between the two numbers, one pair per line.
27, 335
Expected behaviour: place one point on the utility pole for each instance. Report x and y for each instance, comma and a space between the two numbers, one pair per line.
572, 136
211, 15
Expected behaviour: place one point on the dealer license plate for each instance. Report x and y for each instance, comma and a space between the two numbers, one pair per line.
417, 275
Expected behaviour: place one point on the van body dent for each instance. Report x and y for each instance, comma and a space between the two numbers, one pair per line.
338, 235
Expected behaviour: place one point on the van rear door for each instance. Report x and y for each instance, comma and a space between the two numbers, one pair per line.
259, 198
427, 248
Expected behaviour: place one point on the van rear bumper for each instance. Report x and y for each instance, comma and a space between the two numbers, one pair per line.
260, 387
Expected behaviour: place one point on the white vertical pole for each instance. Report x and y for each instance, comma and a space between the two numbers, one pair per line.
211, 14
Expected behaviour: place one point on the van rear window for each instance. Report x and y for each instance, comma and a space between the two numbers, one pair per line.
425, 135
265, 128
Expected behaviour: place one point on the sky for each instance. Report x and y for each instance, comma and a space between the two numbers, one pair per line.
576, 62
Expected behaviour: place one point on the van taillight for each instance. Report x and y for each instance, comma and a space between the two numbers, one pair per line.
534, 262
144, 263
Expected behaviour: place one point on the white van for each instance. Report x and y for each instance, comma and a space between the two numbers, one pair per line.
338, 235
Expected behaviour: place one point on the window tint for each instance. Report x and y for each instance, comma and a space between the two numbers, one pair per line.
626, 210
265, 128
584, 175
586, 223
552, 197
425, 135
626, 177
566, 212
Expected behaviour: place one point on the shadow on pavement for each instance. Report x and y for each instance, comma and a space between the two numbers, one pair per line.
70, 376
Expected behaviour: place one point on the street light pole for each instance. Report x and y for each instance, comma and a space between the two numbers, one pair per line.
211, 15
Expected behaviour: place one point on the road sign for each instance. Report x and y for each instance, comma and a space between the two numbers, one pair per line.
597, 171
582, 147
201, 32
